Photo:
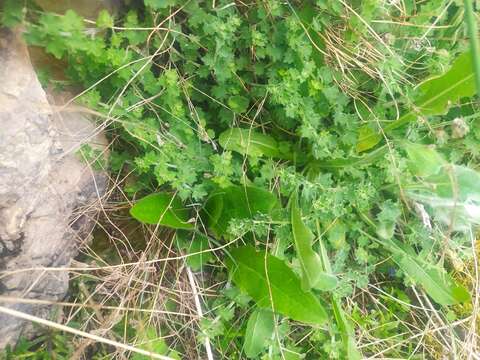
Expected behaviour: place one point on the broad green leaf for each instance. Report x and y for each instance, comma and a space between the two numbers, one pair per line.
367, 138
438, 93
423, 160
249, 142
452, 195
238, 104
197, 247
313, 275
163, 209
237, 202
438, 284
259, 329
436, 96
271, 283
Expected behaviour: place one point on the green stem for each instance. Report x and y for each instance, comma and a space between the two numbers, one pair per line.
471, 23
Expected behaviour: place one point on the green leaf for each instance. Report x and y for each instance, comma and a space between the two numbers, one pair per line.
438, 93
237, 202
313, 275
271, 283
423, 160
104, 20
436, 96
195, 243
344, 325
12, 12
452, 195
438, 284
163, 209
159, 4
346, 331
249, 142
238, 104
259, 329
367, 138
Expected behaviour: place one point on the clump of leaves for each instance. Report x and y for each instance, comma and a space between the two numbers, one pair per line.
242, 136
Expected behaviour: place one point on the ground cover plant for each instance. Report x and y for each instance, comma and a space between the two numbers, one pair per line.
290, 179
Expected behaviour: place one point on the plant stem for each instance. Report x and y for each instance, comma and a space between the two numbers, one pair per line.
471, 23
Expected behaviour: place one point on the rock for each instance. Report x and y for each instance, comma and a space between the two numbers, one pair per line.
46, 191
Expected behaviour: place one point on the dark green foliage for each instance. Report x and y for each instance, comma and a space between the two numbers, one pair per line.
253, 114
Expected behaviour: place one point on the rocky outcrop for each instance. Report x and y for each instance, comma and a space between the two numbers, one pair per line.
47, 193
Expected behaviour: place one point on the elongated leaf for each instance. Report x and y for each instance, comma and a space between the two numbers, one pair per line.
313, 275
270, 282
438, 93
436, 96
346, 329
259, 329
163, 209
237, 202
249, 142
434, 280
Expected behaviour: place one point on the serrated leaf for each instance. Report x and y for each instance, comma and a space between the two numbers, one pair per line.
437, 283
163, 209
313, 275
259, 329
270, 282
236, 202
104, 20
249, 142
436, 96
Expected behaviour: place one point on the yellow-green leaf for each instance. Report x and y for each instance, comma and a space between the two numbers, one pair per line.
163, 209
249, 142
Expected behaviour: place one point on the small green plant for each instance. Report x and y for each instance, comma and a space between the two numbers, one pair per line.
300, 152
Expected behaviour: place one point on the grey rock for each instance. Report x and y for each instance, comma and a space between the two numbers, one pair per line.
43, 183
